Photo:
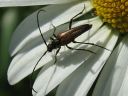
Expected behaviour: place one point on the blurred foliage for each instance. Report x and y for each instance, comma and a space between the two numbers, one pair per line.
9, 20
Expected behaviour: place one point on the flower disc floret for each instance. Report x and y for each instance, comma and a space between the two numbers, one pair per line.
114, 12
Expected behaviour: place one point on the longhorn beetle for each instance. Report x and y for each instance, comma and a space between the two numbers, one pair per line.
64, 38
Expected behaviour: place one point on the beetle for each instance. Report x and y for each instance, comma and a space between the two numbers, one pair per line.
64, 38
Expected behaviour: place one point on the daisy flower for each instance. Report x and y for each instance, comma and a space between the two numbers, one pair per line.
75, 71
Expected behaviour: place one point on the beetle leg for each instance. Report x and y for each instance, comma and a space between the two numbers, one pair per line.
54, 31
51, 39
56, 54
53, 71
91, 44
70, 23
80, 49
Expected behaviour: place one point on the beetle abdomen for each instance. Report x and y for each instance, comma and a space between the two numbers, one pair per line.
68, 36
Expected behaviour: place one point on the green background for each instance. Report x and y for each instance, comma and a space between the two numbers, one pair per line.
9, 20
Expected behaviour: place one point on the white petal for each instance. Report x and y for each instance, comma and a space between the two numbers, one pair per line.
114, 77
27, 34
7, 3
62, 72
30, 47
79, 83
23, 64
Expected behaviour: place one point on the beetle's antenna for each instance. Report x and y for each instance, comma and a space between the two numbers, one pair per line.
42, 55
34, 70
38, 24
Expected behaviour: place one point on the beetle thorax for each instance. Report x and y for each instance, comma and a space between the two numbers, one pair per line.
53, 45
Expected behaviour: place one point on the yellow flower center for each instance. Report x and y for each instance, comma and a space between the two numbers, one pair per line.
114, 12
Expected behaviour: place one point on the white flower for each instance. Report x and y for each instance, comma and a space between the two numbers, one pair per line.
114, 77
4, 3
75, 71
